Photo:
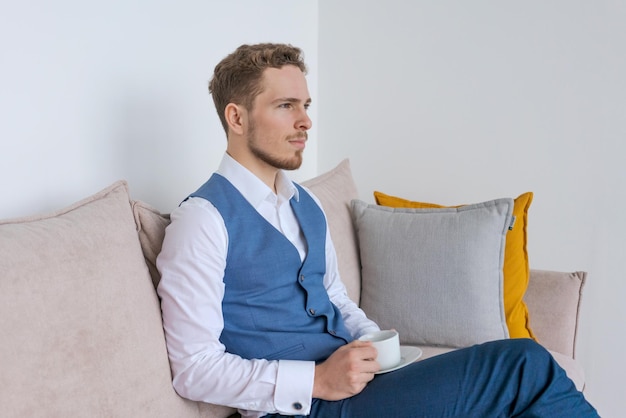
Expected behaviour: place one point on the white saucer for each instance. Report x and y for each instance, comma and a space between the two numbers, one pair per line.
409, 355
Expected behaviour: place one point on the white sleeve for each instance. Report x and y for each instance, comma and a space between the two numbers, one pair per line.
191, 290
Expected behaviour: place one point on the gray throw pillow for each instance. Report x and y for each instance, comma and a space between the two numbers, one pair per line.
435, 275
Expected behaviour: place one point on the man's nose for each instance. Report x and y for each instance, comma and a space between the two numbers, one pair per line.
304, 122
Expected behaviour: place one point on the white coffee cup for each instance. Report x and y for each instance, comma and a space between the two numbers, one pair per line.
387, 343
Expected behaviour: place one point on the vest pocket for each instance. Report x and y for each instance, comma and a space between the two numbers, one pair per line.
286, 353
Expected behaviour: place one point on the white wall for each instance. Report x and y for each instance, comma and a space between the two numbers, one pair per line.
92, 92
459, 102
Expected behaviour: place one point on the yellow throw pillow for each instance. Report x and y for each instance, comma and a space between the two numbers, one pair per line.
516, 267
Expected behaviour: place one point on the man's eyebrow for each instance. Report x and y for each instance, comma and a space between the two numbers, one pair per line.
292, 100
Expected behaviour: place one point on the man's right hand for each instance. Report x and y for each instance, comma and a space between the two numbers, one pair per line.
346, 372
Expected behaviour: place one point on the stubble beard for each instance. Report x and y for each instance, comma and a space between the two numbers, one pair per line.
291, 163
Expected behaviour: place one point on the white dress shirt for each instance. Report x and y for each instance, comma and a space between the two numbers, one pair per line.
192, 263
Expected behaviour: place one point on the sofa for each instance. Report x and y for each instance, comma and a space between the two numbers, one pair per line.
81, 324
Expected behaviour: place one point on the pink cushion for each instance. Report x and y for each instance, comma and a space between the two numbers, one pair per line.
80, 319
553, 299
336, 189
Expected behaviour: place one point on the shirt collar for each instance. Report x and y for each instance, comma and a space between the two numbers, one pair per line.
252, 188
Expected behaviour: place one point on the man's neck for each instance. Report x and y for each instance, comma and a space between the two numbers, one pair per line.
266, 173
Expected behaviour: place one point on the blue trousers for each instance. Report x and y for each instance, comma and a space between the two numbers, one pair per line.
507, 378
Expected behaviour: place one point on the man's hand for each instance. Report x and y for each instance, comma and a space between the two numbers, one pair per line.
346, 372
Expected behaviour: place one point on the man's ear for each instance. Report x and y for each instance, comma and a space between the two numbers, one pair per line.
235, 117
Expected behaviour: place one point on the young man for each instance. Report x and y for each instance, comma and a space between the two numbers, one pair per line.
254, 311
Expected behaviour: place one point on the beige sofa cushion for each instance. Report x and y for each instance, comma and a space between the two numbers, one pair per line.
553, 300
335, 189
80, 320
151, 226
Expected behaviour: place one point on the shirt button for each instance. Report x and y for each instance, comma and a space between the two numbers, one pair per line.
297, 406
312, 311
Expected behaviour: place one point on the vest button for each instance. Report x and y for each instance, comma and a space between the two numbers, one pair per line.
332, 332
302, 277
312, 311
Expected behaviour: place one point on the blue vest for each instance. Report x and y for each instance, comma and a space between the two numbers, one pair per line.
275, 306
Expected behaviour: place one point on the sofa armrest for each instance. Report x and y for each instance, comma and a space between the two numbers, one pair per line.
553, 300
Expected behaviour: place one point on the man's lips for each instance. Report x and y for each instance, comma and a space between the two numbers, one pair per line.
298, 140
298, 143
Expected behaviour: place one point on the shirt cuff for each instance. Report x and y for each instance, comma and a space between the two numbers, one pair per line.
294, 387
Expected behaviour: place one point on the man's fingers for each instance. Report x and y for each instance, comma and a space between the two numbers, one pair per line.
364, 355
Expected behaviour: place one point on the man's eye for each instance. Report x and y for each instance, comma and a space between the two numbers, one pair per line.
285, 105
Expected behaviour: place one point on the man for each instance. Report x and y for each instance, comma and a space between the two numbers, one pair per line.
254, 311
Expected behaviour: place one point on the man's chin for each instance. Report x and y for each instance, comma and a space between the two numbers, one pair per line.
291, 164
295, 163
292, 167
